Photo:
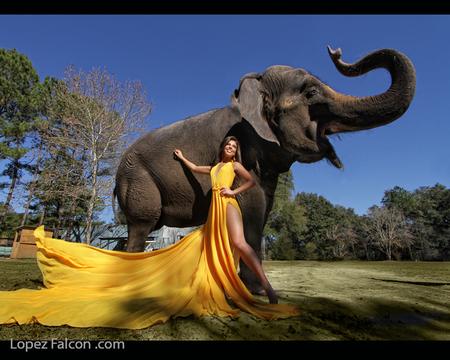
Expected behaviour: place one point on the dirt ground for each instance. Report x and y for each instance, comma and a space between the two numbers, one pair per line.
346, 300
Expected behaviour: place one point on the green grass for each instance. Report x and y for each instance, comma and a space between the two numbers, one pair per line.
348, 300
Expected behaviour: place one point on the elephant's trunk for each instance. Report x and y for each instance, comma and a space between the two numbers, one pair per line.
373, 111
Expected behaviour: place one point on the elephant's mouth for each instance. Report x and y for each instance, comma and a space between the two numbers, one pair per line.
320, 146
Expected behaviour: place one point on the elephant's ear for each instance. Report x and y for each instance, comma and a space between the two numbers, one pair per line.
248, 98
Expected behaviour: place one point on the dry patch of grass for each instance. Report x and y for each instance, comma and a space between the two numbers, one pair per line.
348, 300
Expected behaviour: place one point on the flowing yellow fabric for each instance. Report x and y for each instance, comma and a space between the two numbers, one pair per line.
91, 287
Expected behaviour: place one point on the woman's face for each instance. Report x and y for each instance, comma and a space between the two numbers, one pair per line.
230, 149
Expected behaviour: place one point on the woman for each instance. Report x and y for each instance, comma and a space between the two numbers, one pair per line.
229, 151
91, 287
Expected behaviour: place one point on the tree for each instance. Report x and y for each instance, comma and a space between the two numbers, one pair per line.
388, 229
286, 230
364, 247
20, 105
341, 238
331, 228
275, 221
98, 114
427, 212
401, 199
39, 146
432, 222
286, 222
61, 190
320, 215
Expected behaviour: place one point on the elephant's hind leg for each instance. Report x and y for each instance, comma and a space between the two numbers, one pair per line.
144, 211
137, 235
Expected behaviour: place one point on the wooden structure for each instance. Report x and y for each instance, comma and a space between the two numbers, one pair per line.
24, 245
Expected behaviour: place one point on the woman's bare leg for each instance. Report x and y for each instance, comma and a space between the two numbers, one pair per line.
236, 232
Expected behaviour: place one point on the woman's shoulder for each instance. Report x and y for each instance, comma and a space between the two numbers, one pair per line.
236, 164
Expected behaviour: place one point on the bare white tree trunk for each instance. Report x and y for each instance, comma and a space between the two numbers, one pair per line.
91, 204
342, 238
388, 229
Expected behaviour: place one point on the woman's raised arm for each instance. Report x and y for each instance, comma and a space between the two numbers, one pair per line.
191, 165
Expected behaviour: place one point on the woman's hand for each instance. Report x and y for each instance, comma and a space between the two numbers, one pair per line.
226, 192
178, 153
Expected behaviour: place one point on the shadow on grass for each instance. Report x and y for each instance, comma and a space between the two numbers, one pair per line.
374, 320
424, 283
321, 319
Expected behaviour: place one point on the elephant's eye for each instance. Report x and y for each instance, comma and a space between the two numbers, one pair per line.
311, 92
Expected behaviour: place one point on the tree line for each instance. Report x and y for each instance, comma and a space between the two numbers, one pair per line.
409, 225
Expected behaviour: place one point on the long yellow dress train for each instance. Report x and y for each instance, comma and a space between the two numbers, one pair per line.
90, 287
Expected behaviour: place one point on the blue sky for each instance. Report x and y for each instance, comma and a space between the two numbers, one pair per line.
191, 63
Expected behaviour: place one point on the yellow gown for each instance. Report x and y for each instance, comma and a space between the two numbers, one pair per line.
90, 287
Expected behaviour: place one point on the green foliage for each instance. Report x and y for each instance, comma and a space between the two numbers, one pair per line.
20, 100
401, 199
320, 215
10, 223
286, 222
20, 105
17, 80
433, 221
332, 229
310, 251
310, 227
60, 191
427, 210
282, 248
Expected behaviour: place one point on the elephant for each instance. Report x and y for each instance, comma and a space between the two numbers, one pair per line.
280, 116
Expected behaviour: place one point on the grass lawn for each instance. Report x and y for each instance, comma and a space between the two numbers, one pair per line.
346, 300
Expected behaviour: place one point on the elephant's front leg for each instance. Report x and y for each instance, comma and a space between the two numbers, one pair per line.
253, 207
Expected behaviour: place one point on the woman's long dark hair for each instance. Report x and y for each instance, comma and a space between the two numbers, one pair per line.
237, 156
